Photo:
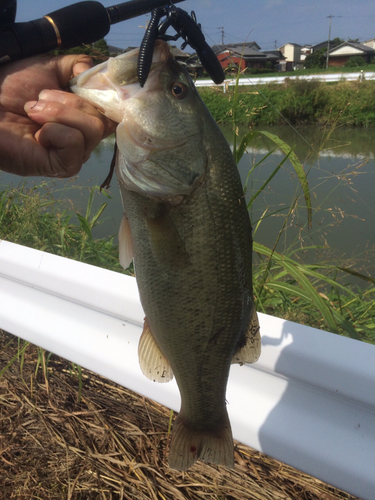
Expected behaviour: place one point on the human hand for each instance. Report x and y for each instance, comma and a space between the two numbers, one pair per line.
45, 131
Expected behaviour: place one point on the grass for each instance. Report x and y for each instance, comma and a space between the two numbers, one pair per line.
113, 444
296, 101
317, 295
68, 433
32, 217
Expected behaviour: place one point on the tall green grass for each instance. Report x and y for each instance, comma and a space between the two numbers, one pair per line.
321, 295
317, 295
298, 101
34, 218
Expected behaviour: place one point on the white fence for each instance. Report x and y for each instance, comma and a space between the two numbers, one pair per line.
309, 401
333, 77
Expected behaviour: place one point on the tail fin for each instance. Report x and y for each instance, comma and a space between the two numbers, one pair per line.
187, 445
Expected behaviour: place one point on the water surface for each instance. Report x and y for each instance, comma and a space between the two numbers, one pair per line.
341, 176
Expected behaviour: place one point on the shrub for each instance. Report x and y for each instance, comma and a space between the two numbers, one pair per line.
355, 62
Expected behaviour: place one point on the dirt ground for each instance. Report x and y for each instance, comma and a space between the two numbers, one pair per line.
113, 443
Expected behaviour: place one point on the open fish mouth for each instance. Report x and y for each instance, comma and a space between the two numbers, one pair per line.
110, 84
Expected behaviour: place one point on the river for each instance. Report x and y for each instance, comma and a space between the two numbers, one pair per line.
341, 176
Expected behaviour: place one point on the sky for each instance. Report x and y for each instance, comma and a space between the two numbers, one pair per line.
270, 23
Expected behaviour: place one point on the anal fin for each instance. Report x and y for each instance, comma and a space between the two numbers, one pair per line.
153, 363
249, 352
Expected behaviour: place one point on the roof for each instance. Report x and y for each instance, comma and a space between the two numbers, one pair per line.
352, 47
290, 43
320, 45
274, 55
246, 51
235, 47
176, 52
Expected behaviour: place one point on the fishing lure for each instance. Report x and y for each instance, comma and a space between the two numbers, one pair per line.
187, 28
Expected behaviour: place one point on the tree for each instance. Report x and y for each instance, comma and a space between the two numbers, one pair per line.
335, 42
97, 50
316, 59
355, 62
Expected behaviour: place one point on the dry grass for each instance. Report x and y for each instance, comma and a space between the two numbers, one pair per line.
113, 444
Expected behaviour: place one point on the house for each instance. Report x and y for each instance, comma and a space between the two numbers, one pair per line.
340, 55
292, 56
274, 57
370, 43
189, 61
306, 50
321, 45
245, 55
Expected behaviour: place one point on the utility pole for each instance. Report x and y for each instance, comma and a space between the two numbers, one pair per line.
275, 44
222, 35
329, 38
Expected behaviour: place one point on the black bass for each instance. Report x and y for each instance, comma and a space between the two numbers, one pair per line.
187, 227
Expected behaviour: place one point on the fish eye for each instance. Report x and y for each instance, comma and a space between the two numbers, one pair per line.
179, 90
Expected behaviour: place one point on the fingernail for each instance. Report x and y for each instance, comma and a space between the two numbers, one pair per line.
33, 106
52, 95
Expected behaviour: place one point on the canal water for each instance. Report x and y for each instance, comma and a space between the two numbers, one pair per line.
341, 175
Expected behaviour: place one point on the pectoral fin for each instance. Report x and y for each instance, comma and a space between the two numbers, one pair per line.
153, 363
249, 352
125, 243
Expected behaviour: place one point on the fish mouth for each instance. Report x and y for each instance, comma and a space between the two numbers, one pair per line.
121, 73
109, 85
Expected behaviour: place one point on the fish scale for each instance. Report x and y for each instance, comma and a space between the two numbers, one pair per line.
187, 224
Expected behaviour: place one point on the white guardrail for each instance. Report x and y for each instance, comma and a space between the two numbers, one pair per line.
309, 401
252, 80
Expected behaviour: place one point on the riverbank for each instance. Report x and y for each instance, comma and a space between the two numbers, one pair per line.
317, 295
296, 101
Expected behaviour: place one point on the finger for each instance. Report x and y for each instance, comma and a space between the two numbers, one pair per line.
50, 112
76, 102
69, 66
63, 150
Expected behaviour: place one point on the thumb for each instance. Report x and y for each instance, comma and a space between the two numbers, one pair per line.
69, 66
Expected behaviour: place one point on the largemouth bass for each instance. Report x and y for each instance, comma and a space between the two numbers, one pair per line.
187, 228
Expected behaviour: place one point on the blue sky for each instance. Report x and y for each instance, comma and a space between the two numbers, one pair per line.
268, 22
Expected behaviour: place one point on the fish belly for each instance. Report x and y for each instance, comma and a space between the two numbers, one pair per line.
193, 268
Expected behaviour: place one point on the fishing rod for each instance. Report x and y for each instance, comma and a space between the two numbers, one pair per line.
82, 22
